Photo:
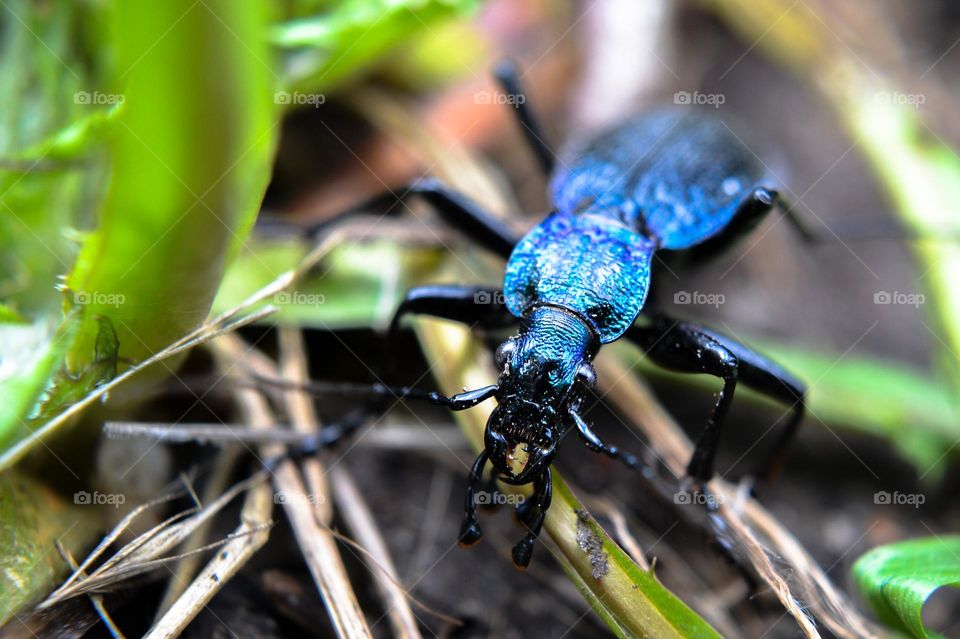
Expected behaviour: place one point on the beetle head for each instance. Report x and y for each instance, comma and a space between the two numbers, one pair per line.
543, 371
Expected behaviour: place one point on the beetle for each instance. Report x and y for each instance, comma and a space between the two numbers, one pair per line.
670, 181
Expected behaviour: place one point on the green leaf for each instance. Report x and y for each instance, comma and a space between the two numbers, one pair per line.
188, 134
42, 67
897, 579
325, 50
191, 158
32, 521
358, 285
32, 355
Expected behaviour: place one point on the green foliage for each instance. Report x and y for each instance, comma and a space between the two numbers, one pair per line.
32, 520
46, 185
41, 70
357, 286
898, 578
324, 50
191, 157
166, 154
153, 124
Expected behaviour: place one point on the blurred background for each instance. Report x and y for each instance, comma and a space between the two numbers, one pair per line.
157, 165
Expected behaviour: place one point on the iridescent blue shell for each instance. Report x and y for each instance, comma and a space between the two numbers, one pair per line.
678, 173
592, 265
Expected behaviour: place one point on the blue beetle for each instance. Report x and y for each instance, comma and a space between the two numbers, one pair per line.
675, 180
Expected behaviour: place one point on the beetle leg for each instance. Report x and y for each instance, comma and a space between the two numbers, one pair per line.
455, 209
471, 305
688, 348
331, 434
508, 77
543, 494
470, 532
466, 399
770, 198
750, 211
594, 443
326, 437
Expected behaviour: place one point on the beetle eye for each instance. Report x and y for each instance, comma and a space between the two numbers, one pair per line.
586, 375
504, 353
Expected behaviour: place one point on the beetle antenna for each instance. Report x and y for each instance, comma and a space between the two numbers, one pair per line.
508, 76
460, 401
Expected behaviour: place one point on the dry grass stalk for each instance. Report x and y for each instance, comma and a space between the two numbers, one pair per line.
316, 541
293, 367
256, 514
146, 552
96, 600
303, 417
186, 568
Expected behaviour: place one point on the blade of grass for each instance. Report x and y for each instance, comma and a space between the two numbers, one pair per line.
897, 579
174, 217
